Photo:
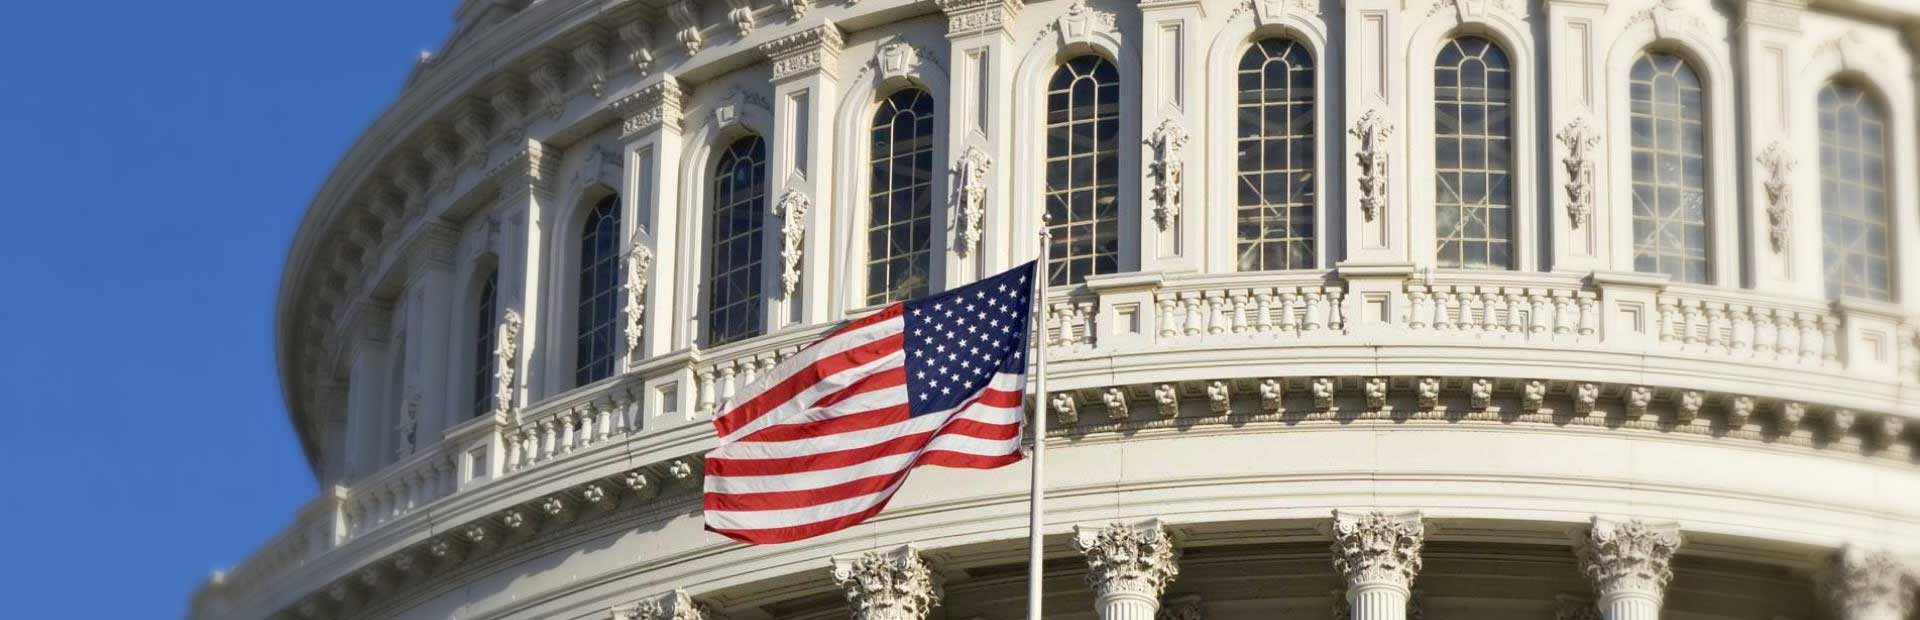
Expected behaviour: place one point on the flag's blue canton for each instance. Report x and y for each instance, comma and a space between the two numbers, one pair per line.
957, 340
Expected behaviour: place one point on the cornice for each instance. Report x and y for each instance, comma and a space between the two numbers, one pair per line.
804, 52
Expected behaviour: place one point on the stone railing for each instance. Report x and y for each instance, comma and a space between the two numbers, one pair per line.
1503, 308
584, 418
1191, 310
398, 490
721, 373
1748, 327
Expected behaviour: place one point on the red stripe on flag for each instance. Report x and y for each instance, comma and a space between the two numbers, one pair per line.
745, 413
940, 458
717, 466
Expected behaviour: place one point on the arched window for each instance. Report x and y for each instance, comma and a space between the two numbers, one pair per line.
599, 298
1669, 168
1083, 170
1473, 150
1858, 245
1276, 186
900, 198
484, 308
733, 255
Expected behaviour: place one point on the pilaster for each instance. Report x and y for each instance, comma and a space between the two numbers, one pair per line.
1375, 155
650, 131
1867, 585
1628, 565
1128, 567
367, 326
1378, 555
979, 142
1780, 255
1575, 115
675, 605
800, 184
1172, 219
895, 584
525, 183
429, 270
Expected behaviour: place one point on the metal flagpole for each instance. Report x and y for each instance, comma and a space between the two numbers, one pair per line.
1039, 422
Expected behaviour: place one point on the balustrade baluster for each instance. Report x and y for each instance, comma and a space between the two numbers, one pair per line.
1263, 322
1809, 338
1190, 316
1290, 312
1589, 314
1216, 314
1422, 303
1562, 312
1765, 334
1669, 320
1829, 340
1741, 333
1164, 319
1239, 299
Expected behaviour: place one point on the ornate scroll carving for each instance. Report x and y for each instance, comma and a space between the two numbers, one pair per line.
797, 7
972, 171
505, 357
591, 55
1123, 559
1377, 548
889, 585
686, 17
1079, 23
1167, 169
1372, 130
1628, 556
896, 60
1777, 163
792, 209
1863, 584
549, 77
639, 266
1580, 139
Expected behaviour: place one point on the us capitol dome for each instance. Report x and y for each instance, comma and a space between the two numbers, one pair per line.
1365, 309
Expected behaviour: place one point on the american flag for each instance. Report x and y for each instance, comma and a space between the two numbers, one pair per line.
822, 442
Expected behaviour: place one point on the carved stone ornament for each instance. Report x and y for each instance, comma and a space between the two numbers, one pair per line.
792, 209
1574, 608
1115, 400
654, 106
1628, 556
1079, 23
409, 426
1377, 548
549, 78
1480, 394
797, 7
972, 172
889, 585
638, 35
1376, 392
1066, 408
1168, 171
1429, 392
1268, 12
1187, 607
1669, 18
505, 356
1272, 395
639, 267
686, 20
815, 49
1863, 584
675, 605
591, 56
1777, 163
1581, 140
740, 12
1166, 400
1372, 130
1323, 392
1122, 559
896, 60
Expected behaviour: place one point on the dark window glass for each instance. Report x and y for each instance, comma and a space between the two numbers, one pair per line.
1669, 168
900, 199
483, 325
1473, 143
599, 284
1857, 246
733, 256
1083, 170
1275, 222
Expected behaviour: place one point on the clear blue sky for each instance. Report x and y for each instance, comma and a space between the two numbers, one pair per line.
155, 158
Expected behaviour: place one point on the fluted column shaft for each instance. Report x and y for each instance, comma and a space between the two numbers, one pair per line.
1627, 562
1128, 567
1378, 555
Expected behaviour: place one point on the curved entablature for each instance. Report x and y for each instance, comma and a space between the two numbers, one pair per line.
582, 222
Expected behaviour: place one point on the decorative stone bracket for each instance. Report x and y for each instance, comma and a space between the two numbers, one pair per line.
639, 268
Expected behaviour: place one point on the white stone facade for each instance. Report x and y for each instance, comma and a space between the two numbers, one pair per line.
501, 338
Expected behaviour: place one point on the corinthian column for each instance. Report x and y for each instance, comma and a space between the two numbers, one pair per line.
1378, 554
1128, 567
888, 585
1627, 563
675, 605
1863, 585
